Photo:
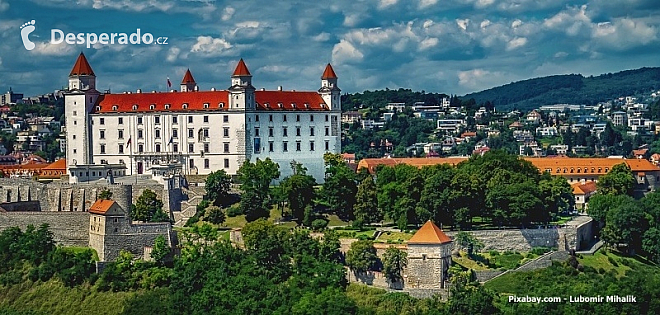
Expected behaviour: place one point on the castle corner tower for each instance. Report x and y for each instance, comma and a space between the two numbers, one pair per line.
241, 90
188, 83
329, 90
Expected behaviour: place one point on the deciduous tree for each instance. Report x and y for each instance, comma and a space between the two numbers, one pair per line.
217, 186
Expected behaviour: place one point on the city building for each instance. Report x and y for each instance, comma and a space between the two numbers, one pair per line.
197, 131
10, 97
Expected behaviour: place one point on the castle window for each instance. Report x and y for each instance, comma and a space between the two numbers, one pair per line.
256, 132
157, 131
191, 147
285, 132
225, 132
175, 147
206, 105
190, 119
285, 146
140, 148
206, 119
98, 108
226, 163
311, 117
327, 133
167, 106
607, 169
121, 148
175, 133
75, 113
115, 230
221, 105
139, 120
306, 105
311, 131
157, 120
423, 256
280, 105
116, 220
175, 120
140, 134
256, 118
225, 118
103, 149
115, 107
120, 120
284, 118
267, 105
185, 106
191, 133
293, 105
270, 131
311, 145
270, 146
191, 163
206, 148
206, 163
225, 147
326, 117
297, 117
102, 134
101, 121
297, 145
135, 107
270, 118
297, 131
152, 107
206, 133
157, 147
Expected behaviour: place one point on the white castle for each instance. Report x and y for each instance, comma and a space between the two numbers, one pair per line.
197, 132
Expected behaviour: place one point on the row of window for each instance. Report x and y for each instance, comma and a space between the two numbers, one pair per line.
577, 170
207, 163
225, 119
175, 148
285, 132
285, 146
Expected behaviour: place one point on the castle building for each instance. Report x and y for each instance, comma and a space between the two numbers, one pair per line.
111, 231
199, 132
429, 258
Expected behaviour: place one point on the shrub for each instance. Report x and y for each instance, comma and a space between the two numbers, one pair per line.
234, 210
319, 224
539, 250
601, 270
493, 253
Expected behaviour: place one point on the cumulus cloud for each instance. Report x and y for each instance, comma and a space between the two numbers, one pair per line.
3, 5
384, 4
345, 52
227, 13
48, 49
209, 46
423, 4
322, 37
428, 43
173, 54
516, 43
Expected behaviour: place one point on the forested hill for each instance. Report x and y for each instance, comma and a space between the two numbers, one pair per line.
569, 89
379, 98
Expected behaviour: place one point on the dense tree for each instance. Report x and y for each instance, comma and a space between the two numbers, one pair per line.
437, 198
298, 189
394, 261
160, 251
557, 197
366, 206
600, 205
148, 208
626, 225
361, 256
217, 186
340, 186
215, 215
255, 179
618, 181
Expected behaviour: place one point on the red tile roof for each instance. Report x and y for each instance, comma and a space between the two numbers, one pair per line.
81, 67
584, 189
188, 78
270, 100
266, 100
241, 69
195, 101
101, 206
429, 233
329, 73
56, 166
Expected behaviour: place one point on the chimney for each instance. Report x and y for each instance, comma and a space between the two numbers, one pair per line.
263, 89
138, 91
213, 89
196, 88
279, 88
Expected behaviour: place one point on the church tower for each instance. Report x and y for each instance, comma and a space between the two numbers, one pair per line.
79, 102
329, 90
241, 90
188, 83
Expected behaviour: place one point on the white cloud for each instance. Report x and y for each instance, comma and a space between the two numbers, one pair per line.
561, 54
572, 21
423, 4
210, 46
173, 54
227, 13
428, 43
516, 43
344, 52
48, 49
350, 20
463, 23
516, 23
484, 23
483, 3
322, 37
624, 34
383, 4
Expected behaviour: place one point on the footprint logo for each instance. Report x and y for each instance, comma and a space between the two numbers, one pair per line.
26, 30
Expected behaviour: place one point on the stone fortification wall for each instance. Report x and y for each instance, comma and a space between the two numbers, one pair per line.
143, 236
69, 228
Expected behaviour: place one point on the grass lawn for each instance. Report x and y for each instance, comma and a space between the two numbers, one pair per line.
469, 263
79, 249
394, 236
506, 261
609, 260
239, 220
334, 220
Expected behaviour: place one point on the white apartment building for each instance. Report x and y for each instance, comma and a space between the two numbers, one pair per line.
197, 132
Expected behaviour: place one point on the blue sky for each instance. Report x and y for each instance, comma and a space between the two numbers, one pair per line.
447, 46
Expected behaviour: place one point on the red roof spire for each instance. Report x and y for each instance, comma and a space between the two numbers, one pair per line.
241, 69
188, 78
429, 233
81, 67
329, 73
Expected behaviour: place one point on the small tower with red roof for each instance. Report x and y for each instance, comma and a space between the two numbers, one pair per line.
241, 90
329, 90
429, 258
82, 76
188, 83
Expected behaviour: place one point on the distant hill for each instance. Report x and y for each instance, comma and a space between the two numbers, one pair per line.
569, 89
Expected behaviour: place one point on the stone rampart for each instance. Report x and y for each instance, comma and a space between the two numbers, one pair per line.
69, 228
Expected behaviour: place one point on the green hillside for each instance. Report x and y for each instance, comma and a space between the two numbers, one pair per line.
569, 89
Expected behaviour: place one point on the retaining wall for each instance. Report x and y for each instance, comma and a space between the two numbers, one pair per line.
69, 228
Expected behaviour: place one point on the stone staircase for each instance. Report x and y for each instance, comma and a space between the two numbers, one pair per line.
194, 195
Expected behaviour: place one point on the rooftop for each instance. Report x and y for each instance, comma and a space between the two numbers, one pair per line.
429, 233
